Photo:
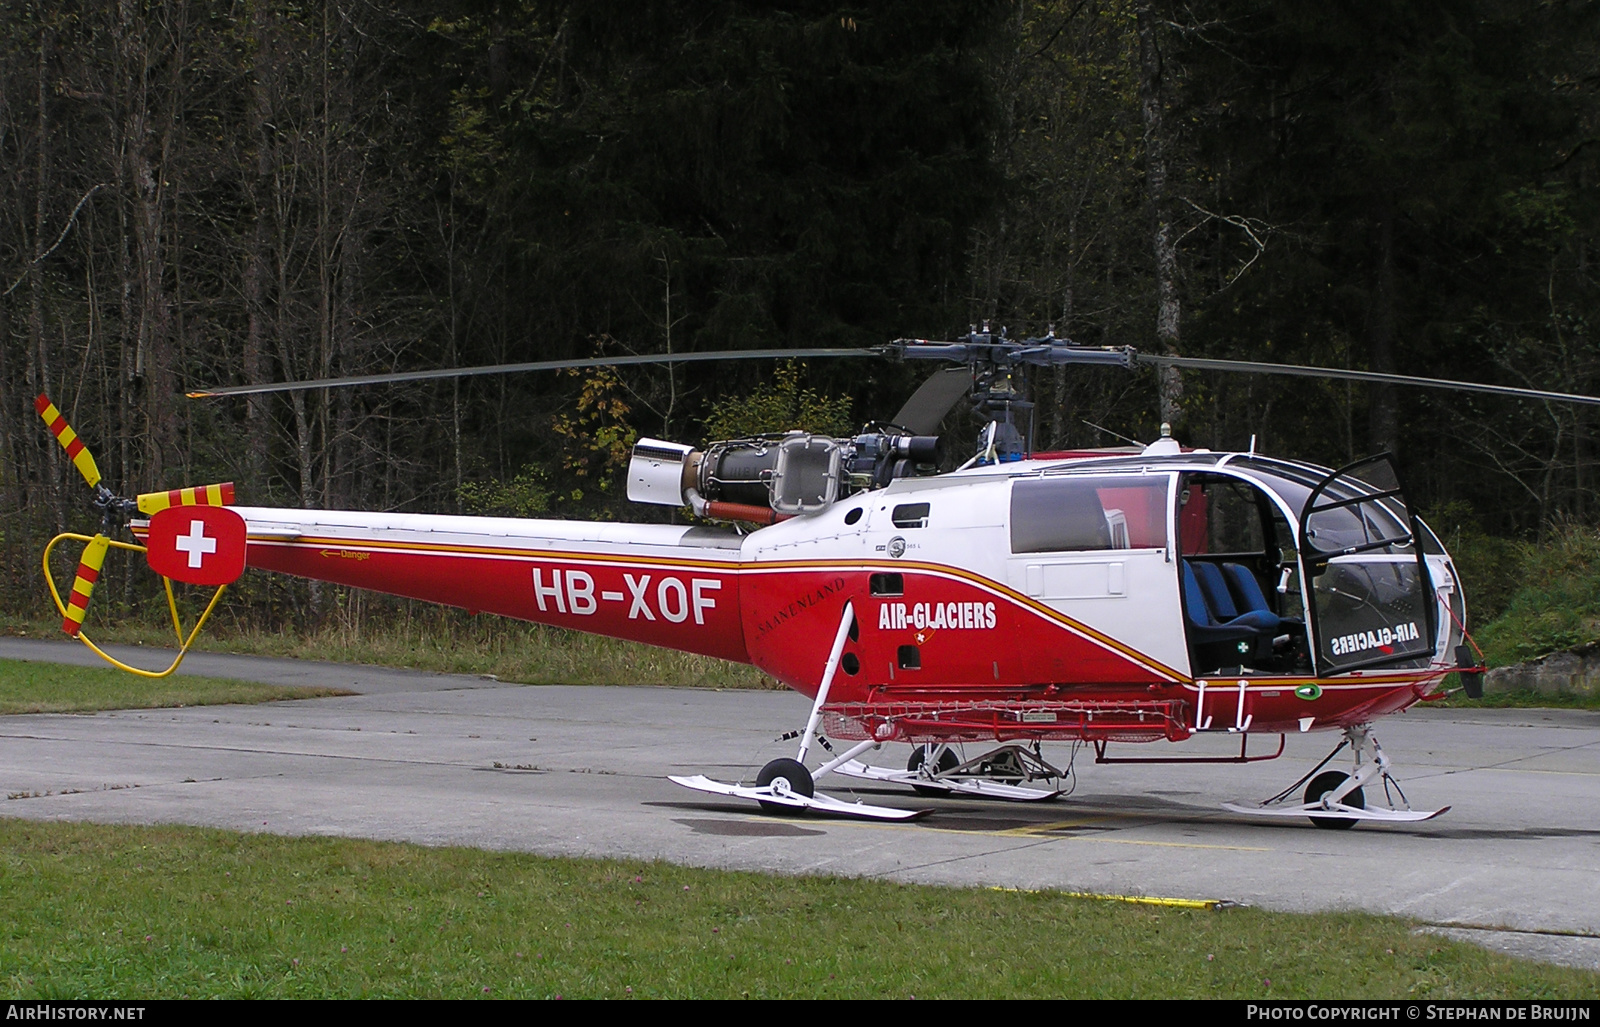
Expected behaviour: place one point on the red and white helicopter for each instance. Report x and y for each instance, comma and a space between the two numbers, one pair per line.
1135, 595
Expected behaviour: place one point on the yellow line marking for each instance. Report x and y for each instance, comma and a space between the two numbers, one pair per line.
1014, 833
1059, 825
1172, 845
1138, 900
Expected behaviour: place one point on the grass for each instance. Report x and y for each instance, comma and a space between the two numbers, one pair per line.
1520, 699
182, 912
28, 687
1557, 605
445, 641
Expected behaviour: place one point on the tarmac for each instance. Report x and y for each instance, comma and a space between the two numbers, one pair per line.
441, 759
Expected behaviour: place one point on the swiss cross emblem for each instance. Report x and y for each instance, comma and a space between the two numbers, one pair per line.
199, 545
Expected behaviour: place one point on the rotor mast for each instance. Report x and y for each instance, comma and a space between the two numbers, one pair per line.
999, 367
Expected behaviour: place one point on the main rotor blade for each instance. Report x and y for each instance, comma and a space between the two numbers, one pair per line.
933, 399
1302, 371
540, 365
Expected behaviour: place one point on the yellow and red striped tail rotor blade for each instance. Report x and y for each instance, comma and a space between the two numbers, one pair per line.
69, 440
152, 503
94, 557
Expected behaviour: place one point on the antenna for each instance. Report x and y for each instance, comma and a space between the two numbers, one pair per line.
1113, 434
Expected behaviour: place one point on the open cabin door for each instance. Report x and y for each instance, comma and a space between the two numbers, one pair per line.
1240, 615
1371, 597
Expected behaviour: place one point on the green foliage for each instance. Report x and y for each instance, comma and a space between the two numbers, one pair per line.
1541, 216
596, 439
526, 495
592, 444
1558, 605
173, 912
1490, 567
781, 404
472, 149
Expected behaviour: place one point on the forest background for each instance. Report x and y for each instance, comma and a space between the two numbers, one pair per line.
208, 192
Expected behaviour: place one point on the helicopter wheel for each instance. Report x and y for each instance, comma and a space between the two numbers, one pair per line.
1321, 785
948, 761
786, 776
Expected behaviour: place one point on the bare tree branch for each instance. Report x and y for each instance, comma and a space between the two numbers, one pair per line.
1254, 229
71, 220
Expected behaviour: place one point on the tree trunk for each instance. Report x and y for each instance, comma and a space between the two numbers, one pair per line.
153, 339
1168, 303
1058, 432
1384, 414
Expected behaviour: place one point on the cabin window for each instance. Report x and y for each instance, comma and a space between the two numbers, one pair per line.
887, 584
1089, 513
1372, 608
911, 515
1218, 516
1366, 525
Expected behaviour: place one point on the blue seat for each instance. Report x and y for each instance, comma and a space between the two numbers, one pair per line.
1247, 592
1230, 626
1243, 639
1220, 604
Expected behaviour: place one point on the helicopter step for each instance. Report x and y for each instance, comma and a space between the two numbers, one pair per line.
935, 769
968, 786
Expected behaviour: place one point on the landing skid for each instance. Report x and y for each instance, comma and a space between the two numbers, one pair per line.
769, 796
1335, 800
1337, 811
963, 785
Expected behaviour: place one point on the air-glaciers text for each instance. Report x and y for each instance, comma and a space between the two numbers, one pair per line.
1382, 639
895, 616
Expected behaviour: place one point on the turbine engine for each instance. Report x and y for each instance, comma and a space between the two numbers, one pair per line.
769, 478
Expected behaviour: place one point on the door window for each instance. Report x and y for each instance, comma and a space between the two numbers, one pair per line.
1068, 514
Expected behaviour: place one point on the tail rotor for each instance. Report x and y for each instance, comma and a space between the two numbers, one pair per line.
224, 531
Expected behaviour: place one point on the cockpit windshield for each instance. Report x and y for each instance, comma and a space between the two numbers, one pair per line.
1372, 604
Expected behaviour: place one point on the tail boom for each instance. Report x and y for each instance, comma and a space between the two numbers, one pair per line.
667, 586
